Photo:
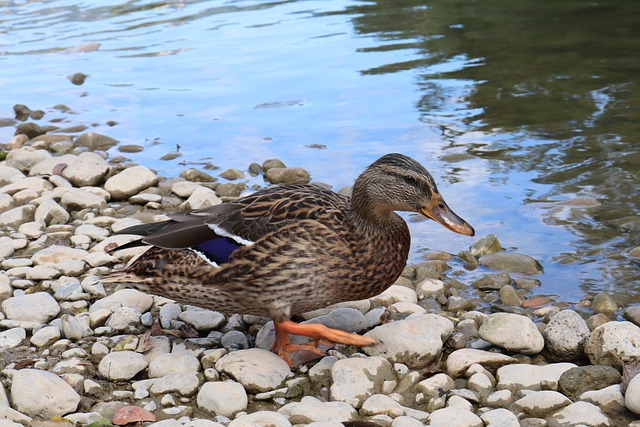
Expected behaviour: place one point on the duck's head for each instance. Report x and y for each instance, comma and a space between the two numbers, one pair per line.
396, 182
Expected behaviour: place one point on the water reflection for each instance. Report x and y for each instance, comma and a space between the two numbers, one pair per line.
545, 87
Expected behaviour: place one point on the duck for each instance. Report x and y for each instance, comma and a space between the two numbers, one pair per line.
291, 249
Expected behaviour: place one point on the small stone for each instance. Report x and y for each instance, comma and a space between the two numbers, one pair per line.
511, 263
49, 212
45, 336
539, 404
632, 395
609, 399
121, 365
171, 363
123, 318
632, 314
95, 141
460, 360
124, 298
452, 416
500, 418
260, 418
200, 319
195, 175
225, 398
77, 199
130, 181
311, 410
17, 216
565, 335
509, 296
232, 174
354, 380
530, 376
201, 198
287, 176
256, 369
230, 190
604, 303
613, 343
12, 338
576, 381
579, 413
415, 341
86, 170
379, 404
185, 384
272, 163
513, 332
25, 158
436, 385
78, 79
429, 288
42, 394
486, 245
37, 307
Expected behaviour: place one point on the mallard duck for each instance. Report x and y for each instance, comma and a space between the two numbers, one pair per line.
291, 249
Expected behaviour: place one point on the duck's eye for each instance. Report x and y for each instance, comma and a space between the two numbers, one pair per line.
410, 179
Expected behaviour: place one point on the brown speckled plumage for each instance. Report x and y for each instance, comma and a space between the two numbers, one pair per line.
311, 247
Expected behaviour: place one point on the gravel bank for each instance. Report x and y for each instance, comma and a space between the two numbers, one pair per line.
455, 353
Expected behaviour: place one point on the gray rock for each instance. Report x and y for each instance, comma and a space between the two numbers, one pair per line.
509, 296
256, 369
489, 244
511, 263
460, 360
310, 410
121, 365
575, 381
604, 303
72, 327
124, 317
38, 307
272, 163
287, 176
415, 341
379, 404
55, 254
539, 404
610, 399
225, 398
632, 314
42, 394
95, 141
613, 343
565, 335
130, 181
171, 363
530, 376
234, 340
579, 413
513, 332
355, 379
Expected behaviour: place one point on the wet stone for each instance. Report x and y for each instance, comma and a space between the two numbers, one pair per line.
576, 381
511, 263
95, 141
613, 343
604, 303
513, 332
287, 176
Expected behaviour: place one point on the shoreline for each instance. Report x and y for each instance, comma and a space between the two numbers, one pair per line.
475, 357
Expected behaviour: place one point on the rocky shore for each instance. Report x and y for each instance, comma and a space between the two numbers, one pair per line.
488, 352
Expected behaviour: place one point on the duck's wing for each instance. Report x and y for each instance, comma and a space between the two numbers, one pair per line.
219, 230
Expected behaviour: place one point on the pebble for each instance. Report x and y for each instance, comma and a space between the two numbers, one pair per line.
632, 395
42, 394
530, 376
256, 369
354, 380
452, 416
539, 404
415, 341
171, 363
565, 335
38, 307
225, 398
200, 319
511, 263
185, 384
311, 410
512, 332
12, 338
578, 380
613, 343
460, 360
579, 413
260, 418
121, 365
87, 169
130, 181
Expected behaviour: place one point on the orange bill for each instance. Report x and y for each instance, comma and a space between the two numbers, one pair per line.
438, 211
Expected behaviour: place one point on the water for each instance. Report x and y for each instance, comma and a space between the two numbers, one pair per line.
512, 105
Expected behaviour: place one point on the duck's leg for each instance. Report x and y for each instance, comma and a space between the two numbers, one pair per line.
321, 335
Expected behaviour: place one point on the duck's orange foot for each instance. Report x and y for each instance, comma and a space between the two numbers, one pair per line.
323, 339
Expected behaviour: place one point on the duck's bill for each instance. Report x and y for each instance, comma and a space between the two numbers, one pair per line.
438, 211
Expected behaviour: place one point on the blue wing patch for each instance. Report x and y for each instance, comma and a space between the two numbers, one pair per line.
217, 250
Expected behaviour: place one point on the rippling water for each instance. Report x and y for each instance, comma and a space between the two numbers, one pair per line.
515, 106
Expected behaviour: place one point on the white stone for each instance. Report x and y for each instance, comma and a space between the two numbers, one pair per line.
201, 198
47, 165
16, 216
77, 199
530, 376
124, 298
379, 404
579, 413
185, 384
96, 233
565, 335
121, 365
500, 418
87, 169
310, 410
57, 253
32, 229
395, 293
632, 395
355, 379
256, 369
200, 319
447, 417
37, 307
124, 317
130, 181
431, 386
42, 272
225, 398
260, 418
512, 332
613, 343
429, 288
42, 394
9, 175
171, 363
184, 188
24, 158
610, 399
12, 338
539, 404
